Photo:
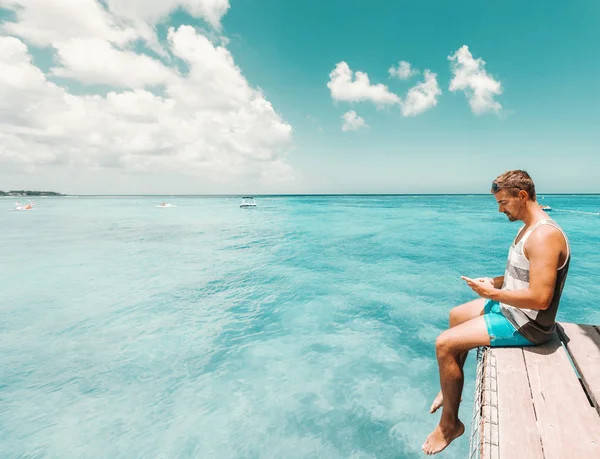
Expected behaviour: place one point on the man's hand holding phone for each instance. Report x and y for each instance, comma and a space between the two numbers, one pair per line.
483, 286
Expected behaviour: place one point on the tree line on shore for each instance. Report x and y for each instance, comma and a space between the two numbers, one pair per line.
29, 193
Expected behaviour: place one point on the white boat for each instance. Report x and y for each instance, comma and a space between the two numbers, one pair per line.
19, 206
248, 202
547, 208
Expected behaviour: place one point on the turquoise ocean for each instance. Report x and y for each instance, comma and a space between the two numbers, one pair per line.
302, 329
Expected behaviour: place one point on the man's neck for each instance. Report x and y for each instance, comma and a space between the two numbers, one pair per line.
533, 214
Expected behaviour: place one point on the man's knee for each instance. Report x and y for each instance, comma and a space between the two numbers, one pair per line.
444, 344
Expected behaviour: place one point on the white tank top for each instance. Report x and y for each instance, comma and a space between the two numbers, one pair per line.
536, 325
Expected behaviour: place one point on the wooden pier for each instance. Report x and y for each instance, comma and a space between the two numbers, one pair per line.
540, 402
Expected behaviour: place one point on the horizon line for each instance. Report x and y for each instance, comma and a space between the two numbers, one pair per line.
302, 194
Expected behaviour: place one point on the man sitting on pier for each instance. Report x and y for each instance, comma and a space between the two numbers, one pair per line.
517, 309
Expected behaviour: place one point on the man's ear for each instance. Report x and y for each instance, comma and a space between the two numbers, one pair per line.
523, 195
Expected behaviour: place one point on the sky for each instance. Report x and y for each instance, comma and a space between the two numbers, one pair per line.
311, 97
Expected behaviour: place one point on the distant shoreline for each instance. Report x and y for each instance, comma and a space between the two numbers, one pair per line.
29, 193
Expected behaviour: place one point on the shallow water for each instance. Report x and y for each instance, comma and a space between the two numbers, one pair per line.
302, 329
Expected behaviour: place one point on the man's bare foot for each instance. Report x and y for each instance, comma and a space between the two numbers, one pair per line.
442, 437
437, 403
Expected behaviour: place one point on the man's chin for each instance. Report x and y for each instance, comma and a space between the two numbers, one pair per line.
511, 218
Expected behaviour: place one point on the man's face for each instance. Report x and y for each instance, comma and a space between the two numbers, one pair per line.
509, 205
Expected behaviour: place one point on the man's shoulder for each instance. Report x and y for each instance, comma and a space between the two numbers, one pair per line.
548, 234
548, 229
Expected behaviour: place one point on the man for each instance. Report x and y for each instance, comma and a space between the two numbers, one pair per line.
517, 309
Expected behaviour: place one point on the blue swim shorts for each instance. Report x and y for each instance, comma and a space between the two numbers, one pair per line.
502, 332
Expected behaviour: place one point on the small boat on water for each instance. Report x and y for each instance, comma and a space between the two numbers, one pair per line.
19, 206
248, 202
546, 208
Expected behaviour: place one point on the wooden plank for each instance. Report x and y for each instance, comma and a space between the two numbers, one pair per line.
583, 344
568, 426
518, 431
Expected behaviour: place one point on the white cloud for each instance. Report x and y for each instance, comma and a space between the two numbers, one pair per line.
45, 22
152, 11
52, 22
470, 76
96, 61
352, 121
210, 123
348, 88
213, 81
404, 70
422, 96
419, 98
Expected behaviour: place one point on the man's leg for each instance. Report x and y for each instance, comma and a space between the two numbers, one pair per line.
458, 315
449, 347
466, 312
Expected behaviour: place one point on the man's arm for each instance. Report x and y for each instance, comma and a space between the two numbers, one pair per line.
543, 250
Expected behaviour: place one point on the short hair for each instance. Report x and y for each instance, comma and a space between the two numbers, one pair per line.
513, 181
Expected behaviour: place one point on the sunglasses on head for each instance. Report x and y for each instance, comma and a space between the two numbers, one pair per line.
496, 187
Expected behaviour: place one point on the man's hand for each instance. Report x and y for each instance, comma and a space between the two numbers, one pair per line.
483, 286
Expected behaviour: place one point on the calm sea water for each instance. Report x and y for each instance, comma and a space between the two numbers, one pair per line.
303, 329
